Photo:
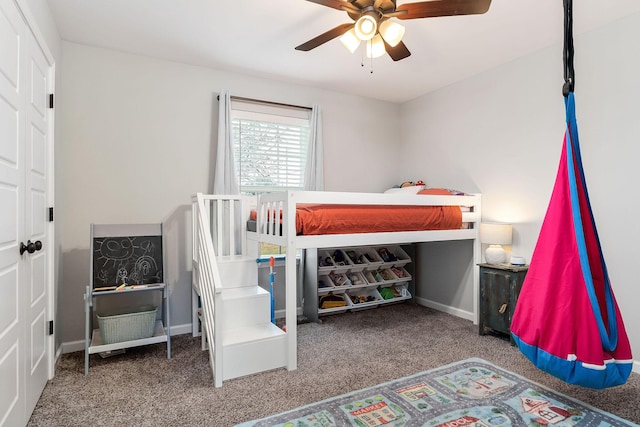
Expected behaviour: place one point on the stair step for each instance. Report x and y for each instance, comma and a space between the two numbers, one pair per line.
253, 333
243, 292
237, 270
249, 350
245, 306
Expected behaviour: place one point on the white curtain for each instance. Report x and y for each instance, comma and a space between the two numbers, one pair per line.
314, 175
225, 180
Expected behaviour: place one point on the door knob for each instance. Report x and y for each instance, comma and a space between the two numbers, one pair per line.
30, 247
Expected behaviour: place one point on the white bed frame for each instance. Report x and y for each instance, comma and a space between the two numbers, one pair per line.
269, 230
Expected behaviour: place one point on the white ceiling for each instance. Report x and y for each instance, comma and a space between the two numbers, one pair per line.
257, 37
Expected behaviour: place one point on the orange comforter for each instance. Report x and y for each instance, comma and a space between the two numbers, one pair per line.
343, 219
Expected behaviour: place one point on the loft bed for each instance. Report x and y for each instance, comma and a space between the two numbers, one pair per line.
280, 221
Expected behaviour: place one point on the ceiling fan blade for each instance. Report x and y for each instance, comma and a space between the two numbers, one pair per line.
337, 4
397, 52
435, 8
325, 37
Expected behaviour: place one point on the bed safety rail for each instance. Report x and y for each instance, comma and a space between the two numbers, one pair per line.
276, 218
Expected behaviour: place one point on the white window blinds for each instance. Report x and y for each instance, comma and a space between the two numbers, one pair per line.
270, 145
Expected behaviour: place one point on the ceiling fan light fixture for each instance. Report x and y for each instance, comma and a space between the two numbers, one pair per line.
366, 27
375, 47
391, 32
370, 18
350, 40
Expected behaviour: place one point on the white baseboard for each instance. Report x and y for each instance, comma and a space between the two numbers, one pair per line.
636, 366
445, 308
281, 314
58, 354
181, 329
57, 358
70, 347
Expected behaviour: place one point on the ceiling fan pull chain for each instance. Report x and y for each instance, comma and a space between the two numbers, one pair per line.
371, 57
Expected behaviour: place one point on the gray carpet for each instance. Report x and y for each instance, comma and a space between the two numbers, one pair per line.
346, 352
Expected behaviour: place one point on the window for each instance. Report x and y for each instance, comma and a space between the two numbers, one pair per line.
270, 146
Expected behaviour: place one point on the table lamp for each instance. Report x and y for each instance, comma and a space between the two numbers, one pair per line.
495, 235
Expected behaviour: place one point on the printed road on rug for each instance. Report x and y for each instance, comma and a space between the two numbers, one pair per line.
472, 392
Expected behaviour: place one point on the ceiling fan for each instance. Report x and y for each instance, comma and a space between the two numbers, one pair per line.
372, 23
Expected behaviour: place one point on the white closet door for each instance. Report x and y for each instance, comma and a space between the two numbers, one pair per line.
36, 227
12, 178
24, 287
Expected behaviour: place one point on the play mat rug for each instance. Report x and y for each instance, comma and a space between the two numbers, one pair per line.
472, 392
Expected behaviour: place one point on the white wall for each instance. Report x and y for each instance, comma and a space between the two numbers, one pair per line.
46, 25
136, 142
500, 133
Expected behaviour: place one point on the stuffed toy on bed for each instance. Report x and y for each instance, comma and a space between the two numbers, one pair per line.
407, 187
411, 183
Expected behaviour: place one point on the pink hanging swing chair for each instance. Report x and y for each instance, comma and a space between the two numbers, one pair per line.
567, 321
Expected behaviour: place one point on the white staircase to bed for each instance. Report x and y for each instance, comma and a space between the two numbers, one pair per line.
233, 311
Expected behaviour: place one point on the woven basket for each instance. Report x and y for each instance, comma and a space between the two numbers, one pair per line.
133, 324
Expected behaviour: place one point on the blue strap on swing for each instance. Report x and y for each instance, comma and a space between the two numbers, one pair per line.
609, 340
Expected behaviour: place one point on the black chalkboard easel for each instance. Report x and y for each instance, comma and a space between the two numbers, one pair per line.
132, 260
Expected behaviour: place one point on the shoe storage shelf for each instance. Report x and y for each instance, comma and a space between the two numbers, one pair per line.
355, 278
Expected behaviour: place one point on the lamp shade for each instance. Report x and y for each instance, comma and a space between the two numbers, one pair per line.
391, 32
375, 47
366, 27
350, 40
495, 234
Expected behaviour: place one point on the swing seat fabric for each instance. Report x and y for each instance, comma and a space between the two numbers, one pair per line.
566, 320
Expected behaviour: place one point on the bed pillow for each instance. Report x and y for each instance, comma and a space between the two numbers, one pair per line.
411, 189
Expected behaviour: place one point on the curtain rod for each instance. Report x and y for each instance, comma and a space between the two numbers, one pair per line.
240, 98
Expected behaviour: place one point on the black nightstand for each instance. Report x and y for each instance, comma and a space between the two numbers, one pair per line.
500, 286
